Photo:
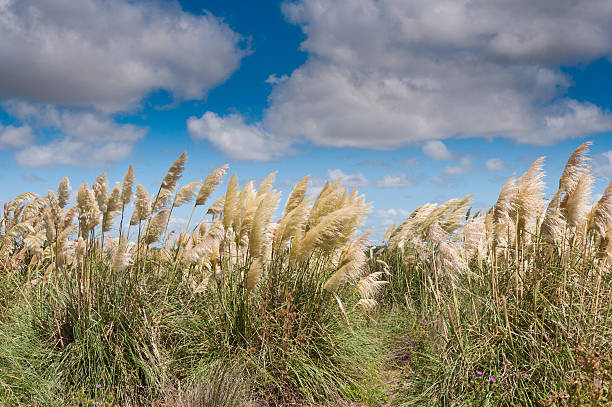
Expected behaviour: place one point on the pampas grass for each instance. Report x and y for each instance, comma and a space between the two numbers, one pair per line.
516, 291
210, 184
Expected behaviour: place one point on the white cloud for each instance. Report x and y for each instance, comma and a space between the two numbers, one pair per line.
385, 73
235, 138
436, 179
495, 164
15, 137
351, 180
31, 177
275, 79
392, 213
111, 54
464, 166
411, 162
394, 181
74, 153
436, 150
602, 164
79, 138
360, 180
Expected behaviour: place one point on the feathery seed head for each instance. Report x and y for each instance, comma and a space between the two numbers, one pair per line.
297, 194
263, 214
174, 173
230, 208
63, 192
127, 186
210, 184
266, 184
601, 215
142, 210
186, 193
576, 203
157, 225
100, 188
254, 275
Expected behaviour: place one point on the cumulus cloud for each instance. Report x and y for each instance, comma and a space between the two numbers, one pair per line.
384, 73
274, 79
73, 153
464, 166
436, 150
237, 139
392, 213
76, 137
495, 164
111, 54
15, 137
444, 181
394, 181
602, 164
411, 162
351, 180
28, 176
374, 163
360, 180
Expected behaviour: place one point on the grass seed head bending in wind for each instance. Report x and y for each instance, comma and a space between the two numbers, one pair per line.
601, 215
113, 205
168, 184
63, 192
210, 184
230, 205
529, 197
100, 188
142, 207
186, 193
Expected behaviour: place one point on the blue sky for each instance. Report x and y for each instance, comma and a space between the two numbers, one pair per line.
412, 102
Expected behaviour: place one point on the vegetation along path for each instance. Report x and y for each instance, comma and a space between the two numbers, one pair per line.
256, 304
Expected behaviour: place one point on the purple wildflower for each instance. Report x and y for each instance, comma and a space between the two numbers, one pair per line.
479, 373
492, 379
426, 324
98, 386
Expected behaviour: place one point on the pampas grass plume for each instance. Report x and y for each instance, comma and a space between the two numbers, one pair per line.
266, 184
297, 194
63, 192
254, 275
174, 172
127, 186
100, 188
601, 215
142, 210
263, 214
157, 225
210, 184
186, 193
230, 207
